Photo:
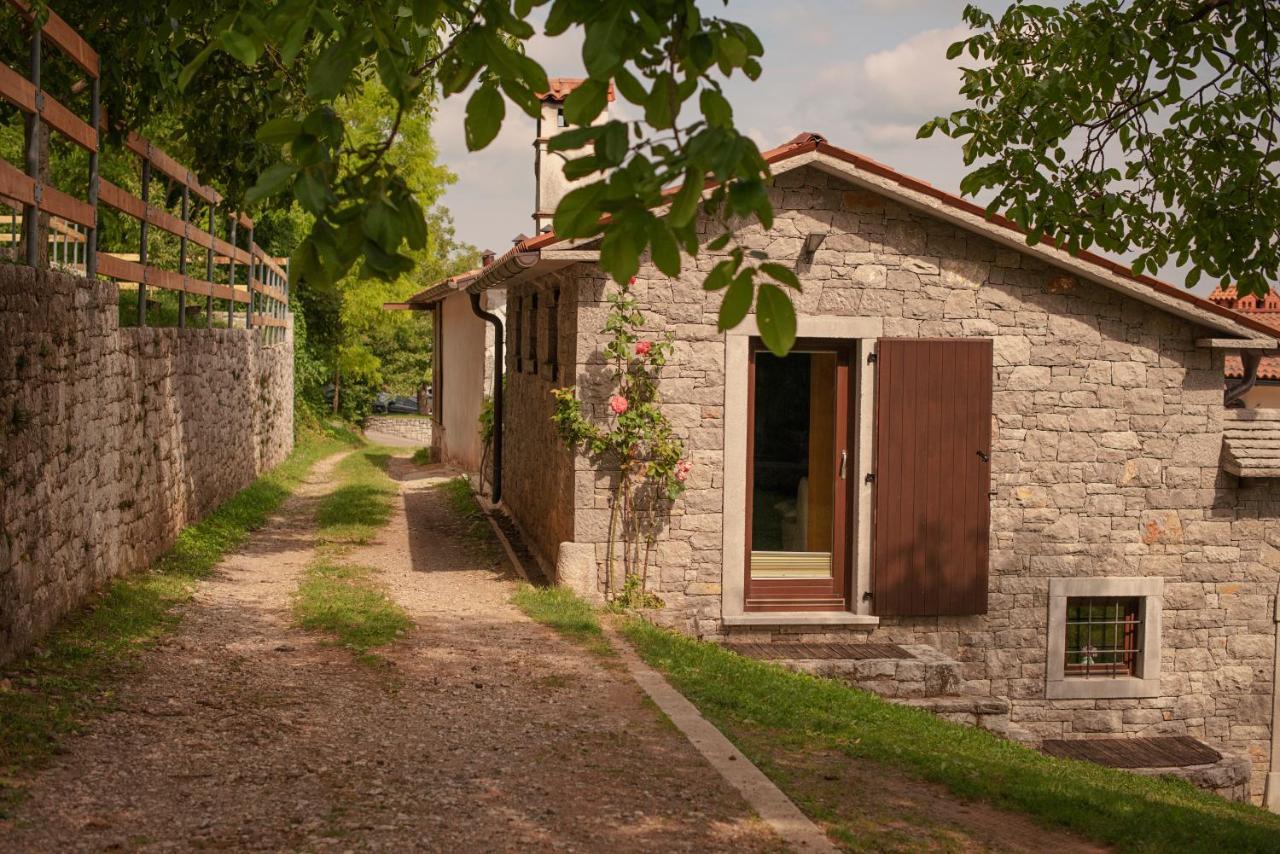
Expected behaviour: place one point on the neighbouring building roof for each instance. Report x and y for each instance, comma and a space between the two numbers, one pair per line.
807, 148
1265, 309
558, 88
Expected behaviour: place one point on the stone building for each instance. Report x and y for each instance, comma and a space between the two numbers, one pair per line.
1010, 467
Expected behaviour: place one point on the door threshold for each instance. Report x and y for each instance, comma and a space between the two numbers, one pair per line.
801, 618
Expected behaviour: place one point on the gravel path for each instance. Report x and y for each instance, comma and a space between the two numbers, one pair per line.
482, 731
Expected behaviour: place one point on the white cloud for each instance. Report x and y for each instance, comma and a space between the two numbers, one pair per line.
915, 77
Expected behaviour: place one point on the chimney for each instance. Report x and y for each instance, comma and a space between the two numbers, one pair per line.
486, 258
550, 185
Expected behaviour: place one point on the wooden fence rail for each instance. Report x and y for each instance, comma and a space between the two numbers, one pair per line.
50, 213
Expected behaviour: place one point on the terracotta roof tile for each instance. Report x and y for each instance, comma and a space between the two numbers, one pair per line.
560, 87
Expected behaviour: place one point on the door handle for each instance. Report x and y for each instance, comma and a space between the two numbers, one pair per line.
983, 456
844, 462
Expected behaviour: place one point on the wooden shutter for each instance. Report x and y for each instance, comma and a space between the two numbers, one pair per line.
932, 477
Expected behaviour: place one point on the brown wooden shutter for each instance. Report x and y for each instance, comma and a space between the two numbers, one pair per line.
933, 476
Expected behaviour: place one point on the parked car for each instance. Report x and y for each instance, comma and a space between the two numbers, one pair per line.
380, 402
402, 406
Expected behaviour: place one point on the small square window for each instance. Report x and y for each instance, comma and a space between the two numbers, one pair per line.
560, 122
1103, 636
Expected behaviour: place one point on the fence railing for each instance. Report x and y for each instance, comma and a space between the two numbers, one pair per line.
67, 227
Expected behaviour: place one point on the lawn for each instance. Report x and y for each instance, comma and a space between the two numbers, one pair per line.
805, 732
756, 704
46, 695
337, 596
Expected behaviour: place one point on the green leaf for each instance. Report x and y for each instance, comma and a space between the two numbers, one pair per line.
955, 49
272, 180
661, 108
382, 225
685, 204
737, 301
716, 109
240, 46
189, 70
485, 112
603, 44
776, 317
586, 102
611, 144
578, 213
718, 243
331, 71
782, 274
278, 131
666, 253
311, 193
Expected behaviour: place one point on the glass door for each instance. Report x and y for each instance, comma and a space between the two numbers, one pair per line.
798, 460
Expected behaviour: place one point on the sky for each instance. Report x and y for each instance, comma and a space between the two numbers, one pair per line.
863, 73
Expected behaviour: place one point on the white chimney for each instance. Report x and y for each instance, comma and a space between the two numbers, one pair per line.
548, 167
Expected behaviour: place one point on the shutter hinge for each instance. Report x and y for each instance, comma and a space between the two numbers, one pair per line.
870, 478
866, 597
871, 358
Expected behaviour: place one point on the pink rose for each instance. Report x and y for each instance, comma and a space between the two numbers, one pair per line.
618, 404
682, 470
643, 348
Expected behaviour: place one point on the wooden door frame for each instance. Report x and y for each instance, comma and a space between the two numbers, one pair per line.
801, 594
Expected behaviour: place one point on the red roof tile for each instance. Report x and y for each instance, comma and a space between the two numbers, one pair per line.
560, 87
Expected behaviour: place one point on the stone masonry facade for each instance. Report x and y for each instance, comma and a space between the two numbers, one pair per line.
1106, 441
113, 439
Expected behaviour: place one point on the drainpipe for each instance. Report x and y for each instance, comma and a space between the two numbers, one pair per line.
1231, 399
1271, 798
498, 364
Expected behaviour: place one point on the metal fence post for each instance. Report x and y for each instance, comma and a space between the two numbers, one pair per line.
31, 212
91, 235
142, 243
208, 266
182, 257
249, 277
231, 273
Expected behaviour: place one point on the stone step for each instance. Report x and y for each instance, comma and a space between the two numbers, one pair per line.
926, 673
986, 713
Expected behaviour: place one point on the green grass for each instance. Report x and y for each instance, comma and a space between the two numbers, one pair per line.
346, 601
422, 457
754, 702
338, 597
462, 503
352, 514
560, 609
68, 677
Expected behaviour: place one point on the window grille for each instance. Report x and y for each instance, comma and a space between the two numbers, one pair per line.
518, 349
553, 335
533, 334
1103, 636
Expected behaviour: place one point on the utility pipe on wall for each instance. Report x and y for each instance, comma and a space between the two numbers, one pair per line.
498, 366
1271, 798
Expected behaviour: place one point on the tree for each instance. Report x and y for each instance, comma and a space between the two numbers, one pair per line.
281, 67
1145, 126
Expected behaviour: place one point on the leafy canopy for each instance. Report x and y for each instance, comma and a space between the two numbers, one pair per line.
1132, 125
664, 56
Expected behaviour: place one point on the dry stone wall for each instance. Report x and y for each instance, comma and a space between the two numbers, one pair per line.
1106, 443
113, 439
415, 428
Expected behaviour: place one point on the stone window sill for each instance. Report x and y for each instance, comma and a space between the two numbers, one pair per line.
801, 618
1101, 688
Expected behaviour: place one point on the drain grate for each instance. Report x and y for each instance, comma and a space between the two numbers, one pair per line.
819, 651
528, 563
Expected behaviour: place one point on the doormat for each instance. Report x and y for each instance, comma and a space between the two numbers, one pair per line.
819, 651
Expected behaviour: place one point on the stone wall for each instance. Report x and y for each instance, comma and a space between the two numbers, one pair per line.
537, 470
112, 440
415, 428
1105, 460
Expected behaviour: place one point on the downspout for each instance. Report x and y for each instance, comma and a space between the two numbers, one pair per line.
498, 365
1271, 796
1231, 399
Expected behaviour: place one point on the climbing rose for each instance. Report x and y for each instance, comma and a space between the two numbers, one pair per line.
618, 404
682, 470
643, 348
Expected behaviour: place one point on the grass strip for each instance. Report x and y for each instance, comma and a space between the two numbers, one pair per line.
342, 598
754, 702
422, 457
47, 694
560, 609
462, 503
